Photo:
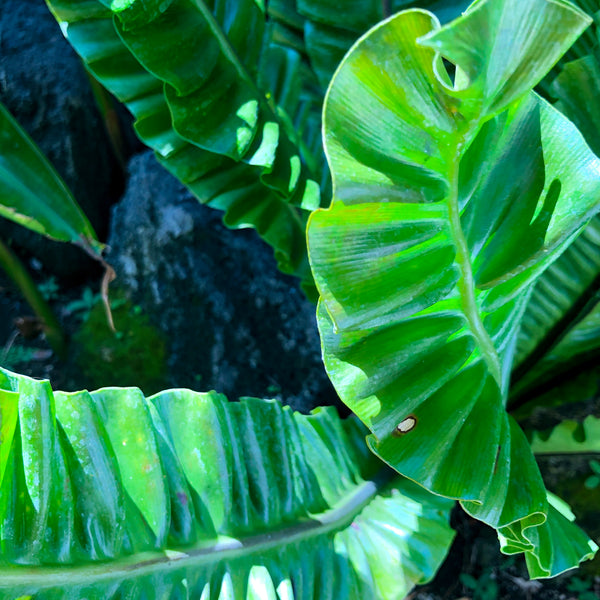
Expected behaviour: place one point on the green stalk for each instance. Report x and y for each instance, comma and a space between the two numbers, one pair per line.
466, 282
17, 272
109, 115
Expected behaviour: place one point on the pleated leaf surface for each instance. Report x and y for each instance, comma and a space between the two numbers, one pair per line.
109, 494
224, 107
451, 198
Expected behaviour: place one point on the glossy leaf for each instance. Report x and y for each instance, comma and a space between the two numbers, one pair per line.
110, 494
200, 84
33, 194
450, 200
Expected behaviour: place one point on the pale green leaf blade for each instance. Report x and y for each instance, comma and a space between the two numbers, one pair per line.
37, 482
8, 422
94, 472
497, 47
566, 291
263, 502
127, 421
33, 194
569, 437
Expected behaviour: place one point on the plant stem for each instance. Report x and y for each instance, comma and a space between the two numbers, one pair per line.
17, 272
205, 552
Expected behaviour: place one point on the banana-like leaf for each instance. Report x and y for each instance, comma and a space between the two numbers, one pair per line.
110, 494
451, 197
199, 82
33, 194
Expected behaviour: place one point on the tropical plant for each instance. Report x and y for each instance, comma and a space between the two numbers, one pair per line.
456, 267
185, 495
229, 97
454, 190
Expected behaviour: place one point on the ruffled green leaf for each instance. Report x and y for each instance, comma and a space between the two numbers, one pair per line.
200, 84
451, 197
555, 546
33, 194
110, 494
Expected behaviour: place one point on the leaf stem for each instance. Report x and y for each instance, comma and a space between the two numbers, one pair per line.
17, 272
466, 282
223, 548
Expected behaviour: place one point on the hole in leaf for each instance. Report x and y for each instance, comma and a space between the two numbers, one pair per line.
405, 426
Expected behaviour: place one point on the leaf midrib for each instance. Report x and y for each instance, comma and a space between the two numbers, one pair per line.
336, 518
466, 281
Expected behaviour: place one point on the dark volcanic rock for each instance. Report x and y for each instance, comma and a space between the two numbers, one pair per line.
45, 87
233, 321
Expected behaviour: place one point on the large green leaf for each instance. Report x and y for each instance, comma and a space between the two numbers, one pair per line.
110, 494
450, 200
222, 105
33, 194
